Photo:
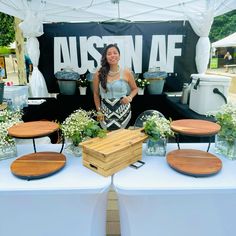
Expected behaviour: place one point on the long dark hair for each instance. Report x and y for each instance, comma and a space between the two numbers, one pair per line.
105, 67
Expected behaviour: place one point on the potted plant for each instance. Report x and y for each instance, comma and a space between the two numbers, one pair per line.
78, 127
141, 84
158, 130
83, 84
225, 141
67, 81
8, 118
156, 78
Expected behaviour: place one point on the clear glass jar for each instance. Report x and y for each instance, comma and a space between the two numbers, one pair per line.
8, 151
73, 150
225, 147
156, 148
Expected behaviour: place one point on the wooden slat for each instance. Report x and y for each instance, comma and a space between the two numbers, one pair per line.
113, 205
115, 155
113, 170
113, 215
113, 228
114, 141
123, 156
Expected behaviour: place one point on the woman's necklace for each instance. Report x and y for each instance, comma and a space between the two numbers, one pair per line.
114, 73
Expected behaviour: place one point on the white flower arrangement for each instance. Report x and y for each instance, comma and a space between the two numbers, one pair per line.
83, 82
80, 126
141, 83
157, 127
8, 118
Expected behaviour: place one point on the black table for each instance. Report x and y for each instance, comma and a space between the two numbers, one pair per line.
177, 110
58, 109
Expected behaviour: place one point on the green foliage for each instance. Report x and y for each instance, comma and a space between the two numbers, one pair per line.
157, 127
80, 126
151, 130
7, 31
226, 118
93, 130
223, 26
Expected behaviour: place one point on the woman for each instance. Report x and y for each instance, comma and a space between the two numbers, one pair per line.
116, 87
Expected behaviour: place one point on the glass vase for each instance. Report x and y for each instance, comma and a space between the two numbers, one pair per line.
225, 147
74, 150
156, 148
8, 151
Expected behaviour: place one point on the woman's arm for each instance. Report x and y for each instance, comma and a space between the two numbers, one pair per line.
128, 76
96, 95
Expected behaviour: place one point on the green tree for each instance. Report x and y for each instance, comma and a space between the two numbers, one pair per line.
7, 31
223, 26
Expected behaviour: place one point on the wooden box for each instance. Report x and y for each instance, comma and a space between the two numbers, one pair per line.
116, 151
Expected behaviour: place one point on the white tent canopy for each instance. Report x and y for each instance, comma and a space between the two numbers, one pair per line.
200, 14
229, 41
103, 10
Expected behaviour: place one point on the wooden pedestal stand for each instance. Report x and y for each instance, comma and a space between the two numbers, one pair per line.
193, 127
38, 164
194, 162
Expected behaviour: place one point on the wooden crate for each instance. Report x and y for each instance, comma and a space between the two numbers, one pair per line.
118, 150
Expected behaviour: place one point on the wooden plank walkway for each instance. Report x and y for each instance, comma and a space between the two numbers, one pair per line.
113, 217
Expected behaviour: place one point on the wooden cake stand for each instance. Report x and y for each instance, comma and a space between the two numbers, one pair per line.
193, 127
38, 164
194, 162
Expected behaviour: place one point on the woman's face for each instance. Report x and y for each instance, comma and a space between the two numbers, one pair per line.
112, 56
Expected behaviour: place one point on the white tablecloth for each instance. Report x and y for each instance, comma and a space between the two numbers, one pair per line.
68, 203
157, 200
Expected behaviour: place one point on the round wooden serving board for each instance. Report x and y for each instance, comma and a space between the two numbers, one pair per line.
195, 127
33, 129
194, 162
38, 165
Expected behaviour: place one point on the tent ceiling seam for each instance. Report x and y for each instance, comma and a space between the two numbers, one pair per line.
166, 7
75, 7
10, 4
223, 3
76, 17
158, 8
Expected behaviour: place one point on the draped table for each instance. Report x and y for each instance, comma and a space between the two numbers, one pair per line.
157, 200
70, 202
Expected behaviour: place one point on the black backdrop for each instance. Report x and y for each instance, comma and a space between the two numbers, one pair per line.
184, 65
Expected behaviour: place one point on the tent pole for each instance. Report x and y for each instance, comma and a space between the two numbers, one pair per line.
20, 53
